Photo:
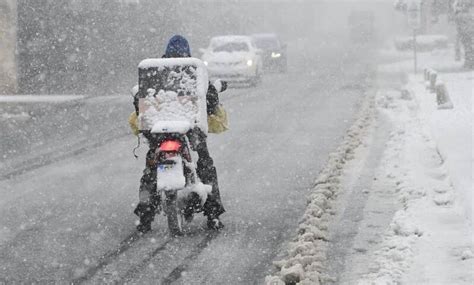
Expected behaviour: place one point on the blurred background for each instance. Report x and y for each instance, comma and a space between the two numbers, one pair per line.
93, 46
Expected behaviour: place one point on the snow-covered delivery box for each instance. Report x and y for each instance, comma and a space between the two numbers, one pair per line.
172, 94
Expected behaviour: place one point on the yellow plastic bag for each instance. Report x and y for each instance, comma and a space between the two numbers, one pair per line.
218, 123
133, 122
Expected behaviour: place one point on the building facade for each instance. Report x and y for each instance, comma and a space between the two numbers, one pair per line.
8, 69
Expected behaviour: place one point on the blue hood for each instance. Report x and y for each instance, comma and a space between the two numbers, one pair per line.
178, 47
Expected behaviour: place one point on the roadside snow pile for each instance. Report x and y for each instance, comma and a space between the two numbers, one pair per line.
22, 116
34, 99
306, 254
428, 240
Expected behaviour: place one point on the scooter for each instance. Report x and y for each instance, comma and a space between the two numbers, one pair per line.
182, 192
172, 111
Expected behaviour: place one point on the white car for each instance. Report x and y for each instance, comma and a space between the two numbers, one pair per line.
233, 59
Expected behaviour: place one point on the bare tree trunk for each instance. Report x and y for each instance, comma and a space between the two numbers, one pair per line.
465, 28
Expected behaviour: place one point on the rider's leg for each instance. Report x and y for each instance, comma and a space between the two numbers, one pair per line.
206, 171
148, 198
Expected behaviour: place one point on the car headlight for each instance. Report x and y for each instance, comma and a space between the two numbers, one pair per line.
206, 63
249, 62
276, 54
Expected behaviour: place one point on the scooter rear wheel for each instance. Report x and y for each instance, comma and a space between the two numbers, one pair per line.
173, 214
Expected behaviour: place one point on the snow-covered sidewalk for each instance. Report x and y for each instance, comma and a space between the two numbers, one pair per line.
394, 205
428, 240
452, 130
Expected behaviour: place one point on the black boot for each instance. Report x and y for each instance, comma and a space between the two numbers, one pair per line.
144, 228
214, 224
213, 209
193, 205
146, 213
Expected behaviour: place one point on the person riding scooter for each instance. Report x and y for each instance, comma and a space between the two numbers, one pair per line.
149, 200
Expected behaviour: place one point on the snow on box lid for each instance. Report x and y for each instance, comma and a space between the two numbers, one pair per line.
172, 90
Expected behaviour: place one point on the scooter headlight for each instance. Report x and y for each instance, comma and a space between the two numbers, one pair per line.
249, 62
276, 54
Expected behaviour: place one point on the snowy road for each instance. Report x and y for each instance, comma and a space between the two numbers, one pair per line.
66, 221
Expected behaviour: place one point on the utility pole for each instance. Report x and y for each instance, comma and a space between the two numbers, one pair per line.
414, 20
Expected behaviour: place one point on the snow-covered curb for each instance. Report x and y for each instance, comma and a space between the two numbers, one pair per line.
37, 134
306, 254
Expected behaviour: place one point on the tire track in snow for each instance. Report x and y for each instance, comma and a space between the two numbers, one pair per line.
134, 272
110, 256
178, 270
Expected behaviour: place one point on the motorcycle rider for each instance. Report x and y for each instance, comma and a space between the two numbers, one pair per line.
149, 200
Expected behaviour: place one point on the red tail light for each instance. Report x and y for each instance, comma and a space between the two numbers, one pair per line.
170, 145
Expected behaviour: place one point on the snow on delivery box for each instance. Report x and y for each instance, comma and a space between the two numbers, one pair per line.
172, 95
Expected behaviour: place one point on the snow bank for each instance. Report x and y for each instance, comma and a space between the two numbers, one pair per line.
306, 254
22, 116
38, 133
40, 98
